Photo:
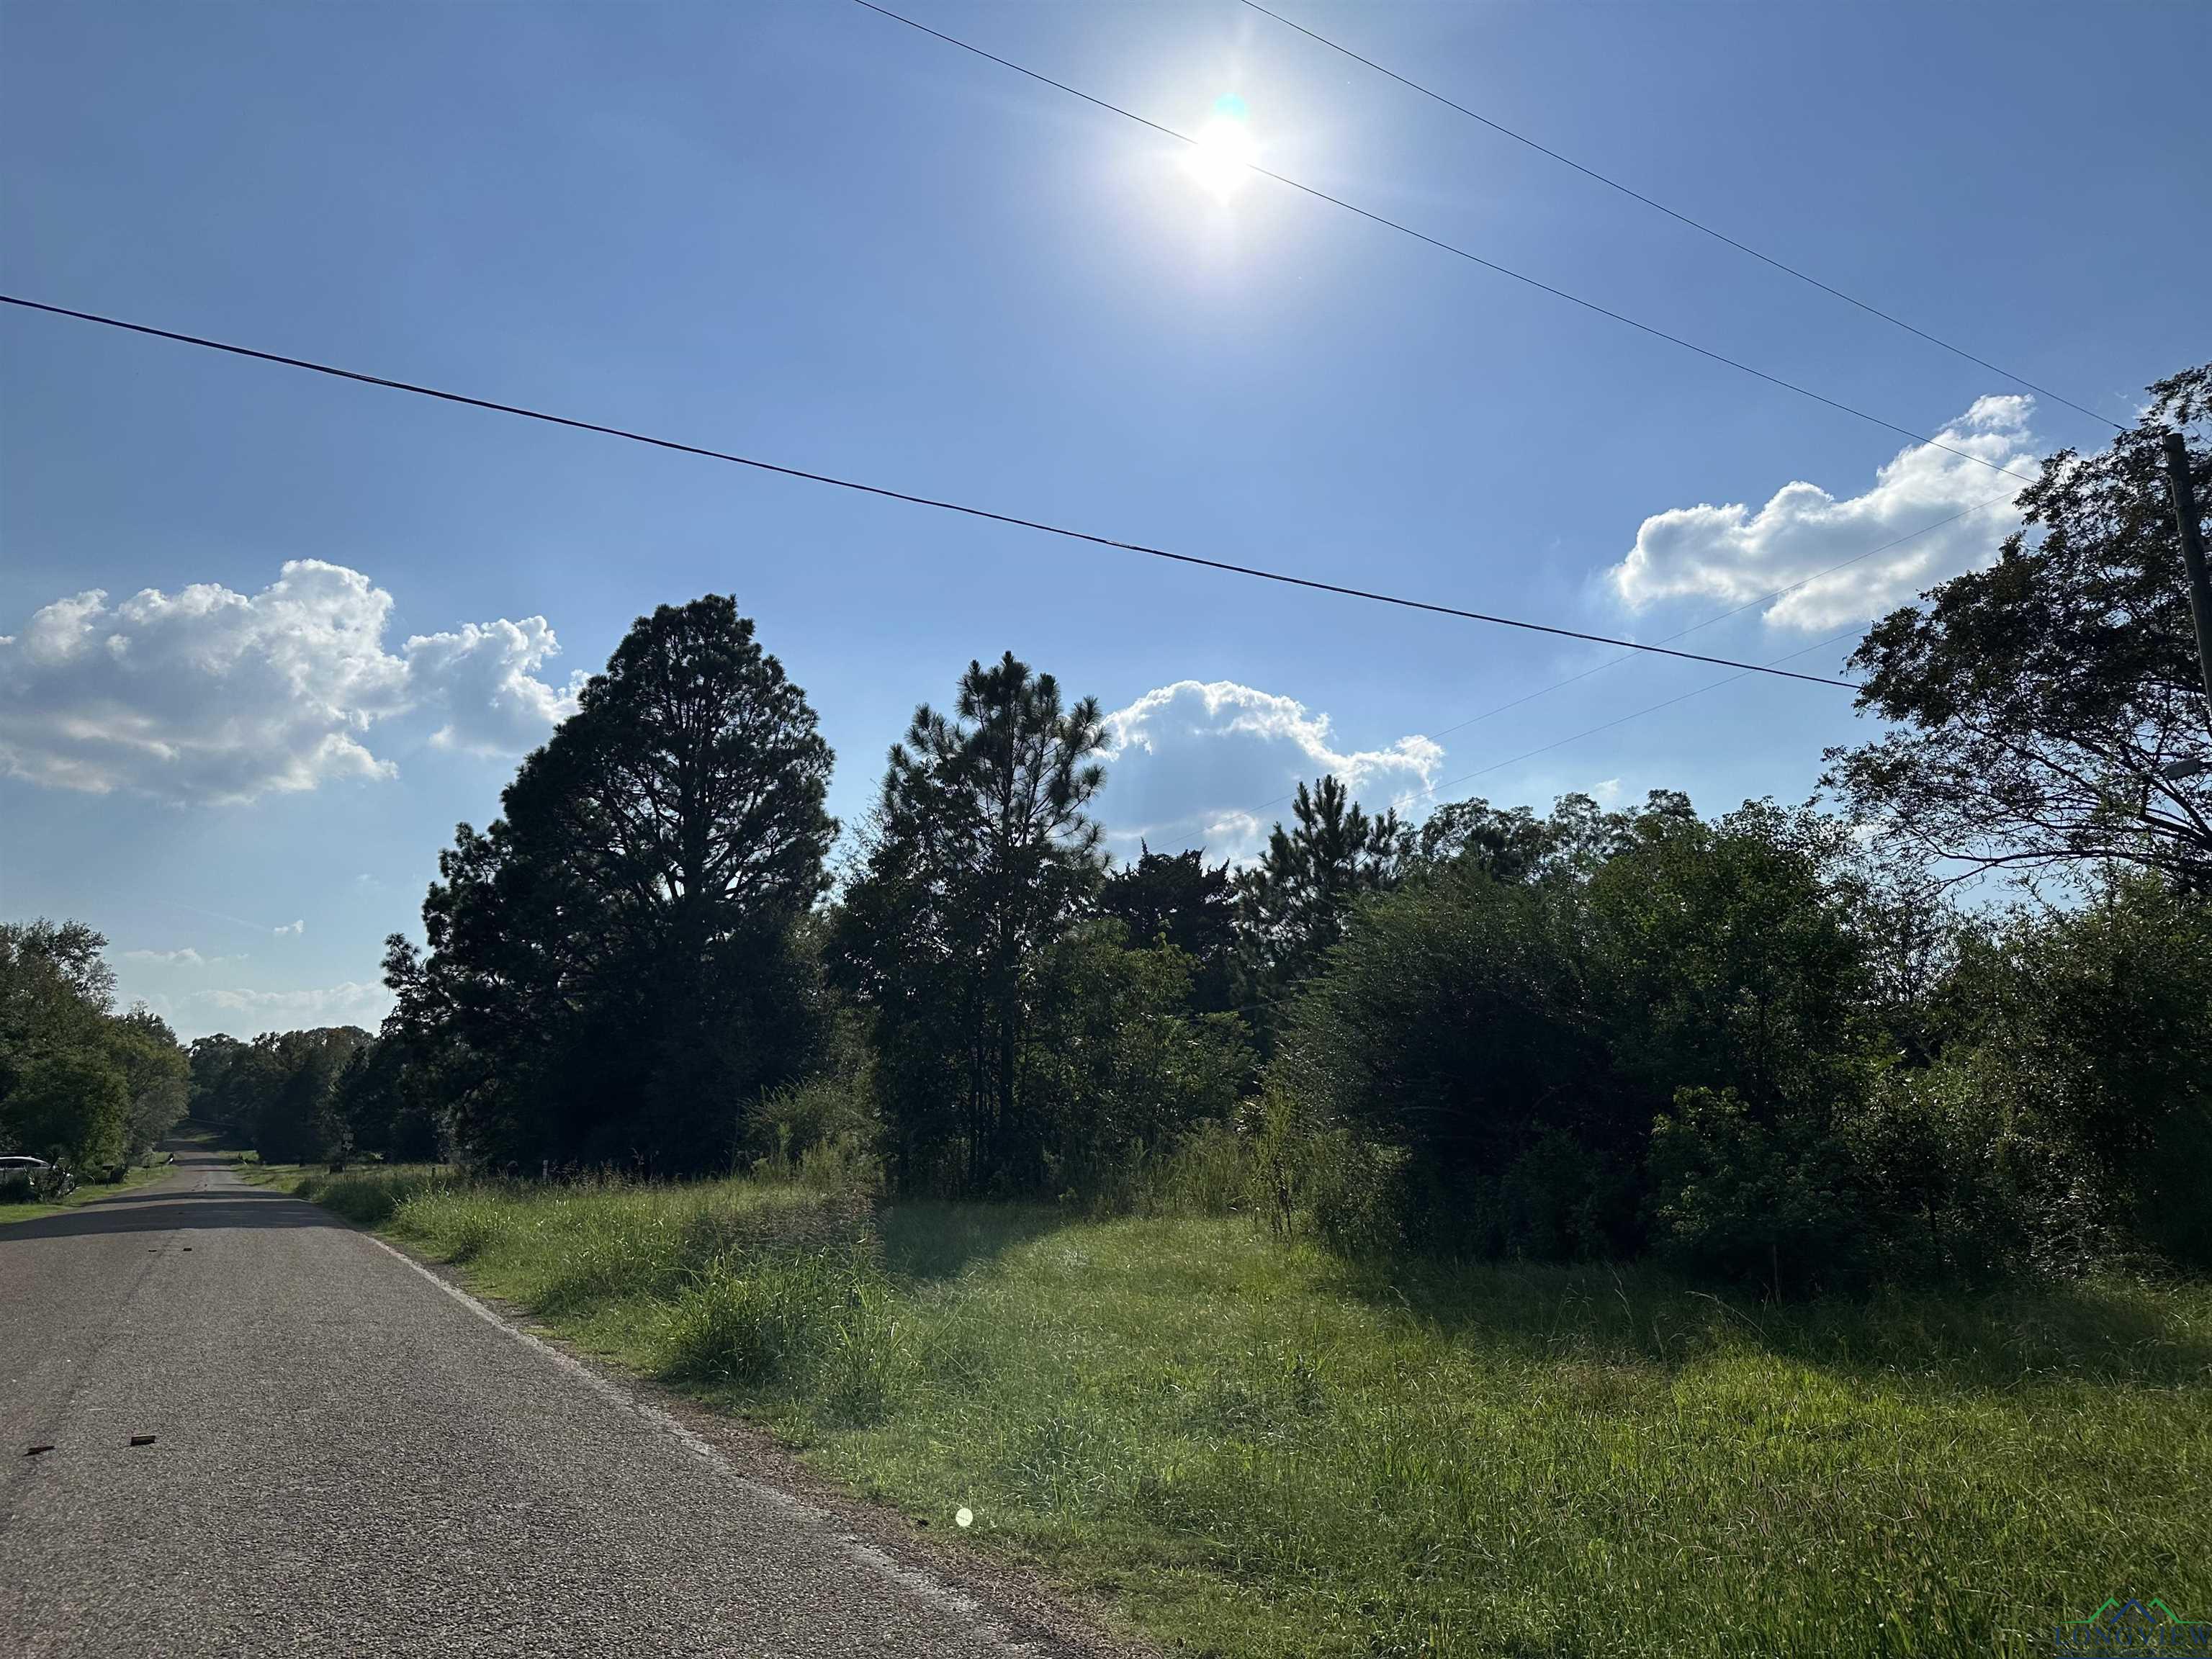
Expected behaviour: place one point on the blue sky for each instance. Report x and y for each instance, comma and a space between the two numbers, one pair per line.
803, 232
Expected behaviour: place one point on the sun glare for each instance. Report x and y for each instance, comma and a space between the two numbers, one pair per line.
1221, 160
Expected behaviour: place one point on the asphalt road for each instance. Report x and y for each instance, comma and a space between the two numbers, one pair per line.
350, 1457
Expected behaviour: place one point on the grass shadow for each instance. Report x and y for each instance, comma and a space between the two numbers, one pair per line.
928, 1239
2103, 1331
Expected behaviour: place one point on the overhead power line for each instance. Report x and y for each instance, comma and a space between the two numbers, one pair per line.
1454, 248
1501, 129
1748, 605
1253, 571
1436, 789
1623, 719
1681, 633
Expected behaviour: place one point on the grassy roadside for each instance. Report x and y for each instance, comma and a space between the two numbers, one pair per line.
1251, 1449
91, 1192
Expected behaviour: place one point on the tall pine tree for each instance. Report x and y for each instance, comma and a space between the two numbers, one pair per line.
1292, 904
613, 956
979, 854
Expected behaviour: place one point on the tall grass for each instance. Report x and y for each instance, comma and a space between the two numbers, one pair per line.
1254, 1448
734, 1284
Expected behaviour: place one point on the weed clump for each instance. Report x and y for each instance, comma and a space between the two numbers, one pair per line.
786, 1295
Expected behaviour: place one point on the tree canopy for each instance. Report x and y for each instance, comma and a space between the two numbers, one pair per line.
80, 1084
979, 853
1179, 899
2050, 707
1292, 902
610, 963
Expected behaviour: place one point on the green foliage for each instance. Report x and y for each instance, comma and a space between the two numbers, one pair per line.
1318, 1173
748, 1286
382, 1101
2086, 1035
280, 1091
71, 1107
1940, 1172
1178, 899
156, 1074
2046, 708
1515, 1033
79, 1084
978, 856
1725, 955
1117, 1068
613, 966
1765, 1201
1292, 904
775, 1318
371, 1197
1757, 1050
1454, 1023
823, 1130
1210, 1170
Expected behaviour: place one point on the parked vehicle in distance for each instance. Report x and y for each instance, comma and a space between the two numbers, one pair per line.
23, 1178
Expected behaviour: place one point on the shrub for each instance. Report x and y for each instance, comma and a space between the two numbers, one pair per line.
1452, 1050
1320, 1176
1946, 1175
2089, 1036
786, 1124
1769, 1201
1118, 1069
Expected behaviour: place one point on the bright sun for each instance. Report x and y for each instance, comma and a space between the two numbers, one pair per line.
1222, 158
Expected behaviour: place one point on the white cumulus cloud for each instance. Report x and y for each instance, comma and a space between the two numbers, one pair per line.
185, 957
208, 694
484, 678
1734, 554
1203, 763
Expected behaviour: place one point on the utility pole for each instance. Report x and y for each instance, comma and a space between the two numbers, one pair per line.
2192, 551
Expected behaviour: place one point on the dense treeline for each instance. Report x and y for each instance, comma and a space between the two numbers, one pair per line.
309, 1096
1745, 1045
81, 1085
1772, 1045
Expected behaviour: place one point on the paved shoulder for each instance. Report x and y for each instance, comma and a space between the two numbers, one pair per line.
342, 1454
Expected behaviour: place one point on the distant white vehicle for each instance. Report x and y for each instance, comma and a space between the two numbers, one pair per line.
39, 1173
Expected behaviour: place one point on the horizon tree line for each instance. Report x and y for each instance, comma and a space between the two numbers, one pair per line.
1755, 1041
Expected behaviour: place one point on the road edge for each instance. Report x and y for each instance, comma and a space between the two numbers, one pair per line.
1012, 1600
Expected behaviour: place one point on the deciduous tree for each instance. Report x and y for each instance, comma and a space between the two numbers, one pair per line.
2050, 708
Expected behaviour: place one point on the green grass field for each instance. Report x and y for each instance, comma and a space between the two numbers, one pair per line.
1249, 1448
